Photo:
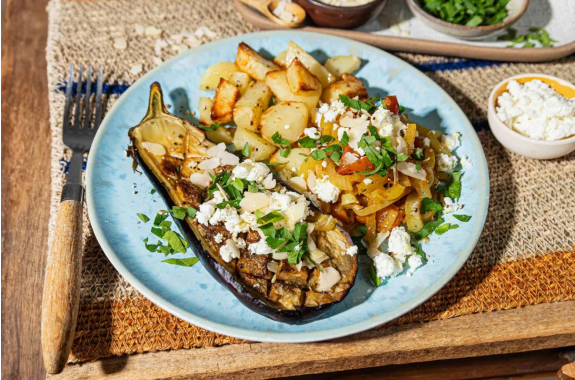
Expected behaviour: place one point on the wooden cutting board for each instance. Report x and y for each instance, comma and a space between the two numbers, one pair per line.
423, 46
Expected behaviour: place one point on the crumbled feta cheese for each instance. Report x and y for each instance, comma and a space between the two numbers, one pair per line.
446, 163
287, 126
229, 251
382, 117
280, 202
465, 162
451, 142
399, 244
241, 243
414, 262
367, 181
536, 110
324, 164
251, 171
352, 251
426, 141
260, 248
325, 190
205, 213
386, 266
219, 238
450, 206
312, 133
330, 112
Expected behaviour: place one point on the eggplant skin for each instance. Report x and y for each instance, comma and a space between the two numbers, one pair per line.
248, 296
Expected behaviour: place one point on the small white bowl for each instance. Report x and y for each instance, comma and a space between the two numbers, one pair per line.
519, 143
515, 9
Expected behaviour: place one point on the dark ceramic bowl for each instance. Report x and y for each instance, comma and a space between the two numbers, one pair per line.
330, 16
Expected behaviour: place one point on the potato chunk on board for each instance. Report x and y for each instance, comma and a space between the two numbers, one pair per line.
252, 63
277, 82
248, 110
226, 97
289, 119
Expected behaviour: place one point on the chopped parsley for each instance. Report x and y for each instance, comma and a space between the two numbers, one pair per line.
431, 205
333, 151
373, 275
467, 12
185, 262
143, 218
211, 128
428, 229
539, 35
355, 104
246, 150
461, 217
285, 145
153, 191
442, 229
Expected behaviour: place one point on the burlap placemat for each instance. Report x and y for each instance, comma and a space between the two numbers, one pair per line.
526, 254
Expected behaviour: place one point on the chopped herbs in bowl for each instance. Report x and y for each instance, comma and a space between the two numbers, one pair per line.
468, 19
467, 12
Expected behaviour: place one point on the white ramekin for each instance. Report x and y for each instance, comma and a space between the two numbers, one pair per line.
515, 141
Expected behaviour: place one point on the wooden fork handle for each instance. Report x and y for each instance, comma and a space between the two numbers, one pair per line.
62, 287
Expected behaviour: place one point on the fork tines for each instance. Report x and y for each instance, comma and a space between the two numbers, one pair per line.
87, 99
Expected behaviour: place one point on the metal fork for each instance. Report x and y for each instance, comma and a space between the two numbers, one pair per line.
61, 294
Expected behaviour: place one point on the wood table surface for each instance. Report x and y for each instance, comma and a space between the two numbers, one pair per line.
25, 212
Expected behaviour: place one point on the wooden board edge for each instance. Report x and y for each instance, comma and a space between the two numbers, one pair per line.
415, 45
518, 330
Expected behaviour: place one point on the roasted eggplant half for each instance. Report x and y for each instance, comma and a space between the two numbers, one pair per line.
278, 254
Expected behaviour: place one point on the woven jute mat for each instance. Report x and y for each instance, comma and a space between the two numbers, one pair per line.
525, 256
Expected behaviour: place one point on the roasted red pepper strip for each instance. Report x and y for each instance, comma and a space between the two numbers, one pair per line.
360, 165
391, 104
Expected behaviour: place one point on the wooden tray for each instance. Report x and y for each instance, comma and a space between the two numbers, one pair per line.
415, 45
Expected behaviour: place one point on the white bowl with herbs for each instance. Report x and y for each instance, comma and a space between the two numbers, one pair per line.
471, 19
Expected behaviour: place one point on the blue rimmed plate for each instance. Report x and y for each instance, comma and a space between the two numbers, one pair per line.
191, 293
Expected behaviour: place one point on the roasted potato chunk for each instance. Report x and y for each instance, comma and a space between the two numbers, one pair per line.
252, 104
294, 51
260, 149
277, 82
229, 71
252, 63
293, 161
280, 60
342, 64
349, 86
223, 106
300, 79
289, 119
205, 110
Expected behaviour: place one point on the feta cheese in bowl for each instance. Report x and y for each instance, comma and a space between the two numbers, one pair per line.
534, 115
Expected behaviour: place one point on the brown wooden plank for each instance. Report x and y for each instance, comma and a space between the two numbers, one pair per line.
25, 211
534, 364
517, 330
25, 185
